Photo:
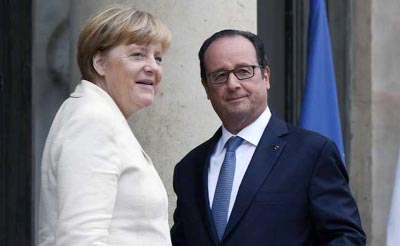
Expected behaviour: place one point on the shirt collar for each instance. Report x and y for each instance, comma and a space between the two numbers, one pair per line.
251, 133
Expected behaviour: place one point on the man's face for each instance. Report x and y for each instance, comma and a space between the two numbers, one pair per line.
238, 103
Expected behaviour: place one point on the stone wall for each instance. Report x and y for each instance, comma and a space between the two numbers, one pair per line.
385, 111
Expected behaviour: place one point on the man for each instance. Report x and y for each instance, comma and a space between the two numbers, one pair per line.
258, 180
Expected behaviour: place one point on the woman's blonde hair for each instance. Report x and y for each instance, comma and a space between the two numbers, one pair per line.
114, 26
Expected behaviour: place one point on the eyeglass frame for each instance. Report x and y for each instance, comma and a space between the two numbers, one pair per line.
232, 71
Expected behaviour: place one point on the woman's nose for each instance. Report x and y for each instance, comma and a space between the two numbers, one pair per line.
151, 65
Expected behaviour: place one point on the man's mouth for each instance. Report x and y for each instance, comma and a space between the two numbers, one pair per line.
235, 98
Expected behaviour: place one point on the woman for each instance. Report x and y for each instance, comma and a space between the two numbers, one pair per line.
98, 185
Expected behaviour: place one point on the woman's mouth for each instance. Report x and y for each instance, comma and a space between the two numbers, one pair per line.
145, 82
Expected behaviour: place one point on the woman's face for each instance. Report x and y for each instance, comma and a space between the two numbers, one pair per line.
130, 74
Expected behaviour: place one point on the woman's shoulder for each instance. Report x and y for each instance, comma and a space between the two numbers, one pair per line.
90, 101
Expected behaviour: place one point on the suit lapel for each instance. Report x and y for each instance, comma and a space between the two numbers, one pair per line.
208, 218
265, 157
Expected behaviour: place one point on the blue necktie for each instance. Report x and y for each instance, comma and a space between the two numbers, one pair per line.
223, 190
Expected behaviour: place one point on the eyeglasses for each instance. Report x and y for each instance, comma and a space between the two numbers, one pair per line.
221, 76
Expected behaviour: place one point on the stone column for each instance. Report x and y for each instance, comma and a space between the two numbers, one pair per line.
360, 111
375, 116
181, 117
385, 111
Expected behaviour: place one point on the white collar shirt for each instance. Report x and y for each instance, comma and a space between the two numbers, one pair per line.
251, 135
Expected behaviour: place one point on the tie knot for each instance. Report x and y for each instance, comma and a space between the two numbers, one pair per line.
233, 143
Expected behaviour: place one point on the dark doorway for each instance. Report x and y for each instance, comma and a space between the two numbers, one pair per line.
283, 27
15, 123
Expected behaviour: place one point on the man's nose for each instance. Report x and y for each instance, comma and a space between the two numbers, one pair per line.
232, 81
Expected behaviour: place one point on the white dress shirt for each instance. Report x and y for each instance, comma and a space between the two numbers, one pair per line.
251, 135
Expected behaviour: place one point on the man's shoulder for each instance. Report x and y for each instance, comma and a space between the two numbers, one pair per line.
296, 133
310, 141
200, 153
306, 134
301, 138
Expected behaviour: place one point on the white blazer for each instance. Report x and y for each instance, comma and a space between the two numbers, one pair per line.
98, 185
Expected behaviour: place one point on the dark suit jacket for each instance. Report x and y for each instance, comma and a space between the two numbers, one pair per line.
294, 192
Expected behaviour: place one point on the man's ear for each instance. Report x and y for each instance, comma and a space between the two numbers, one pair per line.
99, 63
204, 83
266, 76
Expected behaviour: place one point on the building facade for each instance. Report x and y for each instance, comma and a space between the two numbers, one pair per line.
38, 71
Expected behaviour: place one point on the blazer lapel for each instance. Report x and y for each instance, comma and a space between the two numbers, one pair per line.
208, 218
265, 156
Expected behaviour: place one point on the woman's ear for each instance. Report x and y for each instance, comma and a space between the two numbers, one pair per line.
99, 63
